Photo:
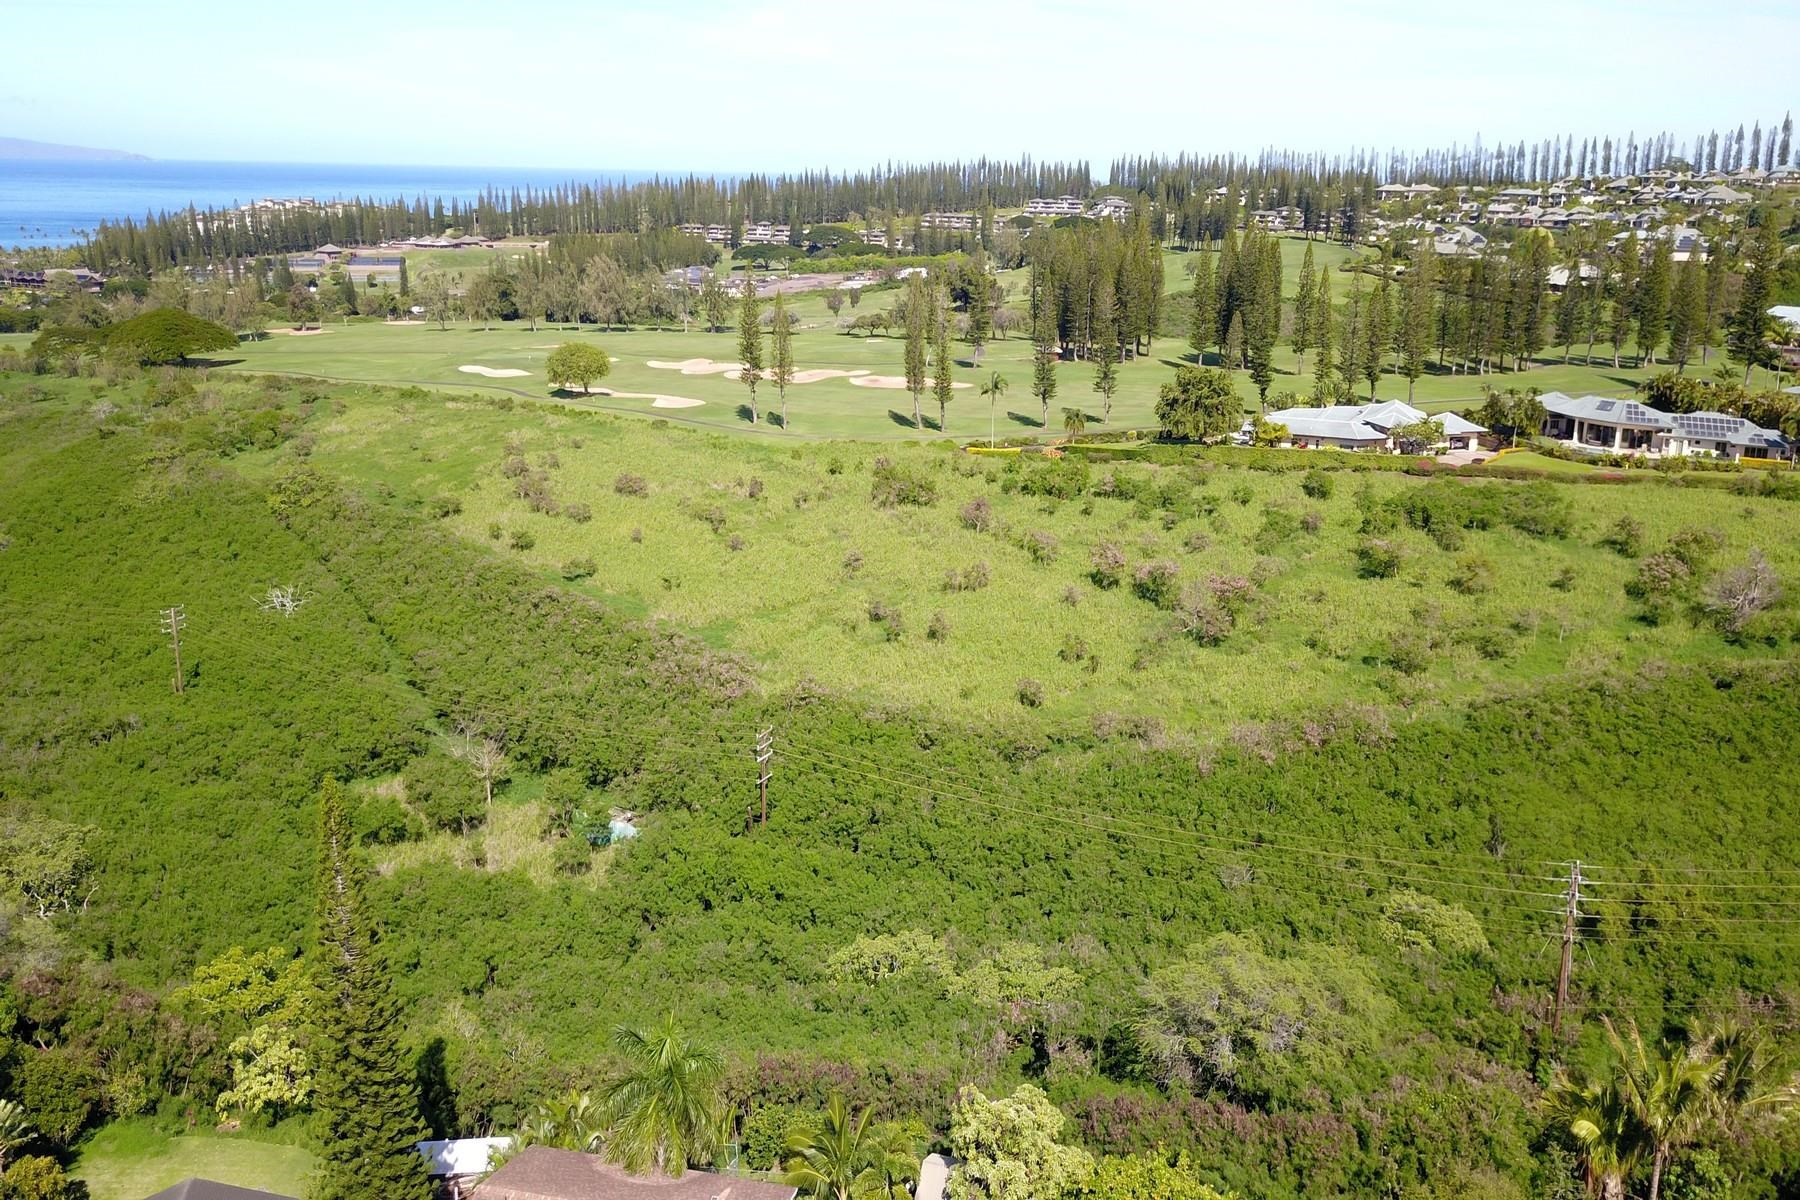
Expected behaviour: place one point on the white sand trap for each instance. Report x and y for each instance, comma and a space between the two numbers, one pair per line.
696, 366
493, 372
731, 371
403, 322
897, 382
656, 399
301, 332
819, 373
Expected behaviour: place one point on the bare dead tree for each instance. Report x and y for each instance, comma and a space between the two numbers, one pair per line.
284, 600
1739, 594
485, 756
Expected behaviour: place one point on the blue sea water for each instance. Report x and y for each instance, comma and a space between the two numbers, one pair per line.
58, 203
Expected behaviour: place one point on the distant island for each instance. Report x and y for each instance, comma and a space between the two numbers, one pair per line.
23, 148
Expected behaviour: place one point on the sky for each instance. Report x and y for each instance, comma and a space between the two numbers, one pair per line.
782, 84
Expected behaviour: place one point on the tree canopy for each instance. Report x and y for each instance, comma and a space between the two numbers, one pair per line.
577, 363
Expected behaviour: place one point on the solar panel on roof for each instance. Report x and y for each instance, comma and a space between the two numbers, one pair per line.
1604, 406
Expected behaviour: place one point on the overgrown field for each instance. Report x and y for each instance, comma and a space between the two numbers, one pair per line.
1386, 833
1026, 570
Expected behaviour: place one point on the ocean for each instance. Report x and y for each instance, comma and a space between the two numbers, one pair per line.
58, 203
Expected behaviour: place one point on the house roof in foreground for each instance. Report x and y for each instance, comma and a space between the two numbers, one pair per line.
1605, 410
207, 1189
546, 1173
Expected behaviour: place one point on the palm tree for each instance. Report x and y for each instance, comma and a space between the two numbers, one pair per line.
893, 1165
1594, 1113
993, 388
665, 1110
839, 1158
1669, 1089
1074, 421
15, 1129
573, 1121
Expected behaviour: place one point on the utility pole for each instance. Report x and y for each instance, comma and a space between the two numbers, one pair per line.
173, 618
1571, 913
765, 750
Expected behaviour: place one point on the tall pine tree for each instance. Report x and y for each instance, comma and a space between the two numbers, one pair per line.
366, 1103
750, 343
1651, 304
1687, 312
1203, 321
1303, 308
917, 320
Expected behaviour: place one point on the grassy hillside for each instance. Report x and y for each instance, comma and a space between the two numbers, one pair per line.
1062, 859
801, 553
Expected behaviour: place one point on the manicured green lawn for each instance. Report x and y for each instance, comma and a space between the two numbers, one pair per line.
1532, 460
129, 1160
831, 408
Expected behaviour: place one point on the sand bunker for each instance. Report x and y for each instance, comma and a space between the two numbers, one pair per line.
656, 399
492, 372
818, 373
301, 332
891, 381
696, 366
706, 366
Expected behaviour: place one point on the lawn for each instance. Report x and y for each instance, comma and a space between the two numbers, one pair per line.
425, 355
129, 1160
800, 555
1532, 460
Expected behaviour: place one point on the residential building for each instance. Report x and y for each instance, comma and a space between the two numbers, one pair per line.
1462, 242
763, 233
546, 1173
207, 1189
1116, 207
1062, 206
1721, 435
944, 220
1603, 425
1367, 426
1719, 195
458, 1164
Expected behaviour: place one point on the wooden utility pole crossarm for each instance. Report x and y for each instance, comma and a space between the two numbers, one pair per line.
765, 753
1571, 915
173, 618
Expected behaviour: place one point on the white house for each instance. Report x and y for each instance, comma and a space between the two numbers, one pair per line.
1721, 435
1366, 426
459, 1163
1602, 425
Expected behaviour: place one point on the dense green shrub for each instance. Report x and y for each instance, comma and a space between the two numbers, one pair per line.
1625, 537
895, 485
381, 820
444, 792
1158, 581
1377, 558
1541, 510
60, 1090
